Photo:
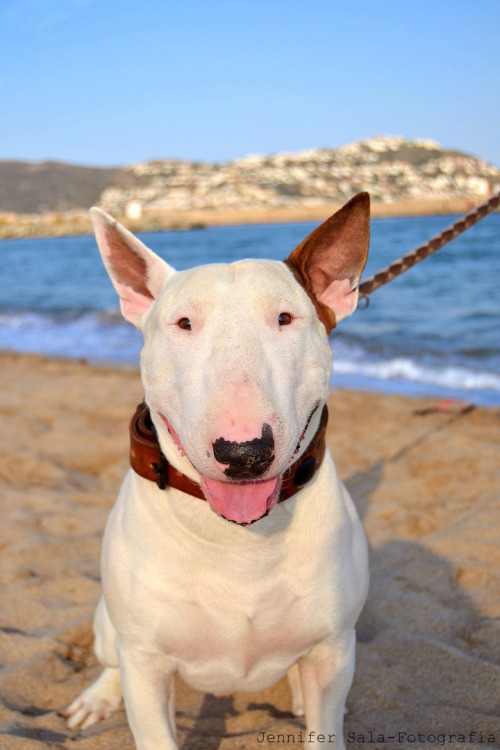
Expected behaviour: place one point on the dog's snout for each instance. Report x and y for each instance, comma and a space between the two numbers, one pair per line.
248, 460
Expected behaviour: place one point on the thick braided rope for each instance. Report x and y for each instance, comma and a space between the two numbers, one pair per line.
423, 251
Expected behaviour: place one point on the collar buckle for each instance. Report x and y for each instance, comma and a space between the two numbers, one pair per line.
161, 471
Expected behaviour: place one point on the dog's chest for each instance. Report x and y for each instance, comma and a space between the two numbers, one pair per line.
230, 635
231, 621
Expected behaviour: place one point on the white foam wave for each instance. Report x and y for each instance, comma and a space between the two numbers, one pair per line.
100, 336
405, 368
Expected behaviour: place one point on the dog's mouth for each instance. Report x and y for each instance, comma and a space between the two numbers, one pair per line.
241, 502
238, 501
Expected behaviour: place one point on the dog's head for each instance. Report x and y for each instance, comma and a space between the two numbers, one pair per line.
236, 363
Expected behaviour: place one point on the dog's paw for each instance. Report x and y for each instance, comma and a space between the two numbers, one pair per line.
97, 702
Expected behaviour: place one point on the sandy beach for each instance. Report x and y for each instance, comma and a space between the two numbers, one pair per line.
426, 482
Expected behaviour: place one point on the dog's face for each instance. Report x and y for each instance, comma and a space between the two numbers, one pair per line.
236, 362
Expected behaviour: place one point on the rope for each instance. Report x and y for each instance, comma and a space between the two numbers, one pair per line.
423, 251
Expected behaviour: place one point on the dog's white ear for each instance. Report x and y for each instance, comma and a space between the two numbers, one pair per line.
329, 262
137, 273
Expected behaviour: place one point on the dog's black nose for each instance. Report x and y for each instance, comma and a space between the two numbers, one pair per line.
249, 460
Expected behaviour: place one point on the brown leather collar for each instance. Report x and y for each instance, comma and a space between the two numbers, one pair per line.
147, 459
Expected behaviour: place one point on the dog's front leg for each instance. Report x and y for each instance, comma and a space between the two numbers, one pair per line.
326, 674
149, 695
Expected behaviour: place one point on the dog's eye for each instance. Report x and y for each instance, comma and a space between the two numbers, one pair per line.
184, 323
284, 319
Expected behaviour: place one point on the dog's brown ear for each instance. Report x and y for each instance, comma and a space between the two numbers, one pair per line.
329, 262
137, 273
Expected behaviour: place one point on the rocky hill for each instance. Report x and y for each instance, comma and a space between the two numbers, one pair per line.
51, 186
390, 168
402, 176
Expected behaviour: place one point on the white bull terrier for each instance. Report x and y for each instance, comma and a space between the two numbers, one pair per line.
241, 580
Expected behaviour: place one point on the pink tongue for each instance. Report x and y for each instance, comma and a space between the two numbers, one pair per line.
242, 502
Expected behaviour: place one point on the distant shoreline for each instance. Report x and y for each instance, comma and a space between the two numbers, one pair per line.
75, 223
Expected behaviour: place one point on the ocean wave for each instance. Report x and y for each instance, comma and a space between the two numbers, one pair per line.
419, 373
404, 368
96, 336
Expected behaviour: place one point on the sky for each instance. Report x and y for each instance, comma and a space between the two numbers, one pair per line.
111, 82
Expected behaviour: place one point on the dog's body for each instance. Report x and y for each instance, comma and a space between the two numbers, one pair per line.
236, 368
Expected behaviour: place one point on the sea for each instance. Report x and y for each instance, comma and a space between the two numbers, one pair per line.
435, 331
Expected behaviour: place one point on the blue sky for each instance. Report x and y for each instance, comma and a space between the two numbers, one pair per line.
106, 82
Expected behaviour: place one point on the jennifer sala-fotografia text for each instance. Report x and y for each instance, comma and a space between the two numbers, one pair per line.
377, 738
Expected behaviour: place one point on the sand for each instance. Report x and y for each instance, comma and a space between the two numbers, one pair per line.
426, 483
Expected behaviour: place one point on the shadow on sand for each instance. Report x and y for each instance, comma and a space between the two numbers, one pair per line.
425, 672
